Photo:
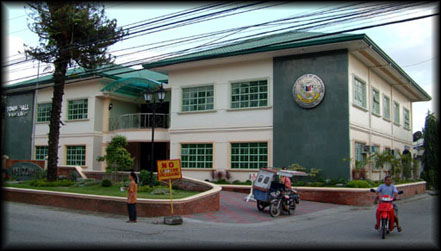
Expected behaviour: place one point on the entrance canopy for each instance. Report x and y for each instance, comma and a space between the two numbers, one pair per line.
131, 86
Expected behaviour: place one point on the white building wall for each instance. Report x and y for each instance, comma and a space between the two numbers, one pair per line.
372, 129
87, 132
222, 126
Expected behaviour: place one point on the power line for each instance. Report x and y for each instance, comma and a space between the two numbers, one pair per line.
105, 69
175, 53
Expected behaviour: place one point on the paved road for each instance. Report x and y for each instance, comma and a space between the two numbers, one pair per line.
31, 226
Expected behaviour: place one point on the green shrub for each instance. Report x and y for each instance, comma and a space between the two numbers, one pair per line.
86, 182
159, 191
106, 183
74, 176
144, 178
317, 184
222, 181
300, 183
45, 183
358, 184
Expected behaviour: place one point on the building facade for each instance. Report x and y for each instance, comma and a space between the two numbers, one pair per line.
283, 99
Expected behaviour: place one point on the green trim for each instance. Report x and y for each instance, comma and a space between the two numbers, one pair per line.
293, 43
263, 48
395, 66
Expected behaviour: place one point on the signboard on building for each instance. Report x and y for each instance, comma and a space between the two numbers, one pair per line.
308, 91
24, 171
169, 169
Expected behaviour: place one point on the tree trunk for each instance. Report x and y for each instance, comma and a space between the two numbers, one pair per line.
54, 126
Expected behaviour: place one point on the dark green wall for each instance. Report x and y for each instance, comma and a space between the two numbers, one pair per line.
18, 129
317, 137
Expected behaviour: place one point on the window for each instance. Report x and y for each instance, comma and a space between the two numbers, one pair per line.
387, 166
375, 101
386, 107
197, 98
359, 156
44, 112
76, 155
406, 118
359, 93
375, 149
77, 109
197, 155
41, 152
249, 155
396, 113
249, 94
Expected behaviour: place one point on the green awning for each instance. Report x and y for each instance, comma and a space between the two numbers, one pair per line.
132, 87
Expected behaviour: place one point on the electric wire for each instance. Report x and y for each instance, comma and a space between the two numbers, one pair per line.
184, 50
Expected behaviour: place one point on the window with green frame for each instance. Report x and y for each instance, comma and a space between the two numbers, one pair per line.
197, 98
41, 152
396, 113
406, 118
359, 156
77, 109
76, 155
359, 93
375, 101
44, 112
249, 155
375, 149
197, 155
386, 107
249, 94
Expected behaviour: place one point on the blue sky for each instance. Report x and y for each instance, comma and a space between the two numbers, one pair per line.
411, 45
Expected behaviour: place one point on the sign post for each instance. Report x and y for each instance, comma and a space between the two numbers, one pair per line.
168, 170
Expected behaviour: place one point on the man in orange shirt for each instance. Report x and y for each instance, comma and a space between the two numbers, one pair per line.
131, 197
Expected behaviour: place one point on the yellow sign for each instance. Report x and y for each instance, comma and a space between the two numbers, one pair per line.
169, 169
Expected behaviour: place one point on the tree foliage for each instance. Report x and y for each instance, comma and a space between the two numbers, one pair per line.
117, 157
431, 151
70, 33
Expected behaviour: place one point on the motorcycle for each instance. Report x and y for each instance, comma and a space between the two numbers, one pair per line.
385, 214
283, 200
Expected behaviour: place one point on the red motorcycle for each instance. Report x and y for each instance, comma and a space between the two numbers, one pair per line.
385, 214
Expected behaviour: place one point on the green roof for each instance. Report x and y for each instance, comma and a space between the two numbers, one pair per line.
280, 41
113, 71
273, 42
132, 87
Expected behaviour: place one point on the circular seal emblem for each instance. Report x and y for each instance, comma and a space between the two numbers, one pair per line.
308, 91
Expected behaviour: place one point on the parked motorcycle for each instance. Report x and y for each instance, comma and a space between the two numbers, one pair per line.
283, 200
385, 214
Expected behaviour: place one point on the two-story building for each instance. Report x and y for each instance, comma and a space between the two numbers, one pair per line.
293, 97
306, 98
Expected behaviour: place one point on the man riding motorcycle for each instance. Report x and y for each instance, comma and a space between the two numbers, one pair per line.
389, 189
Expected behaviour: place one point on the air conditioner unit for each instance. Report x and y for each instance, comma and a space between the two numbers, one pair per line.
366, 149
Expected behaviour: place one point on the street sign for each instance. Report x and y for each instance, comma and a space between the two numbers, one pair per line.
169, 169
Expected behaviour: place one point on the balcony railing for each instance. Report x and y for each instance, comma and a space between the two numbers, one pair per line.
138, 121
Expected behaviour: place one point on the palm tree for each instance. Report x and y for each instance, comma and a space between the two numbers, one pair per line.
381, 159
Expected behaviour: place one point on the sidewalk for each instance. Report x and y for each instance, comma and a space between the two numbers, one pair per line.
234, 209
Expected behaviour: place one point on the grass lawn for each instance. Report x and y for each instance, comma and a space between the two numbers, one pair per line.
113, 190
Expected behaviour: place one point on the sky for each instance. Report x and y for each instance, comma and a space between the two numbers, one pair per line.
412, 45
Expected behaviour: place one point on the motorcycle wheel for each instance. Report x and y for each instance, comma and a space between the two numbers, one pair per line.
291, 207
260, 206
383, 228
275, 209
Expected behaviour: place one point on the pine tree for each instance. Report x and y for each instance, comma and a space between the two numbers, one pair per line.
431, 151
70, 32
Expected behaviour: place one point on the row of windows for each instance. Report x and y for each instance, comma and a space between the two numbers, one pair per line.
76, 109
243, 95
75, 155
359, 154
360, 99
243, 155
